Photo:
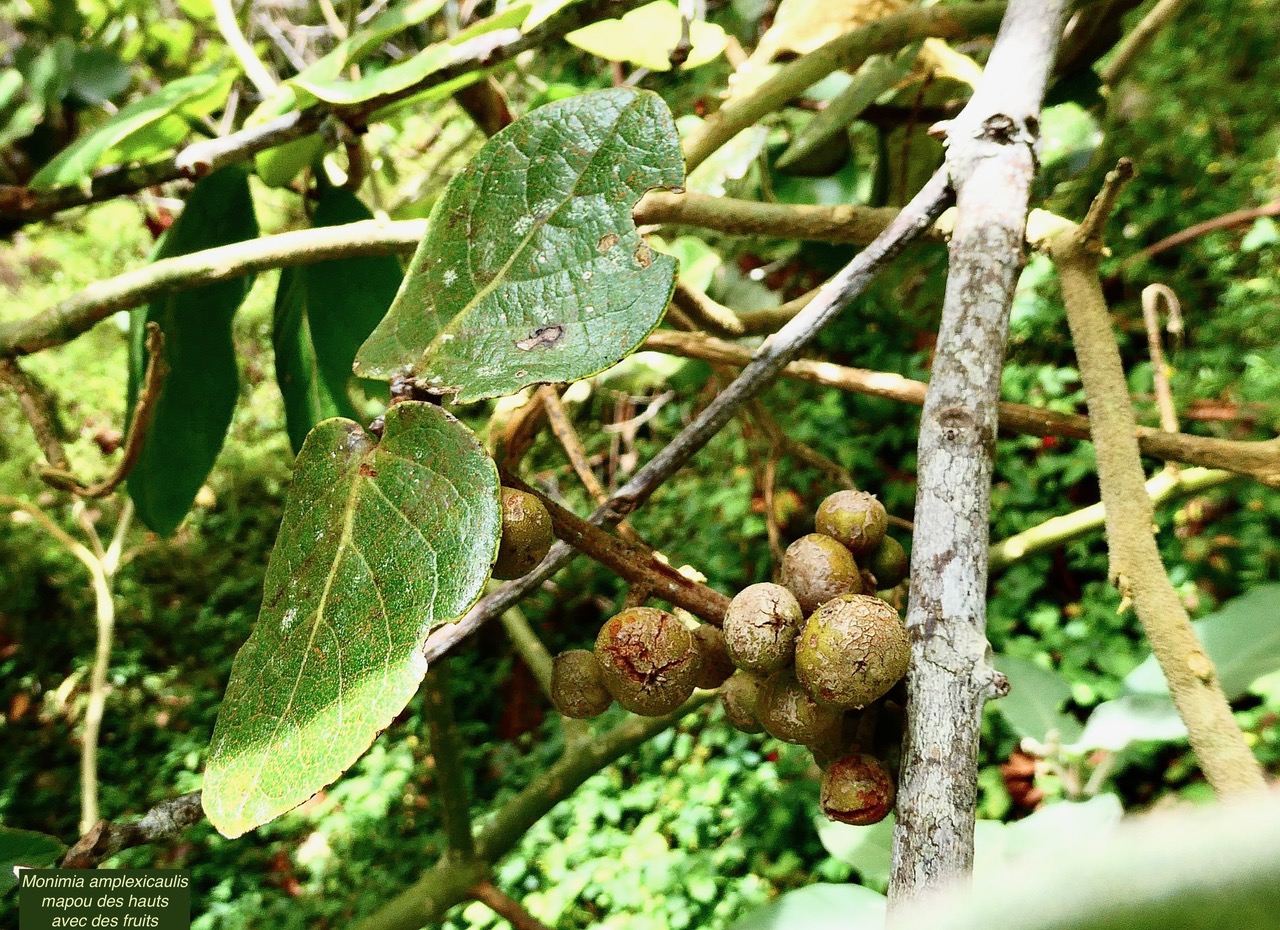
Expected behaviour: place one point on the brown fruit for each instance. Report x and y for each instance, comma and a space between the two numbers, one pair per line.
787, 712
739, 697
889, 563
577, 685
852, 651
817, 568
857, 789
526, 535
650, 660
854, 518
716, 666
761, 626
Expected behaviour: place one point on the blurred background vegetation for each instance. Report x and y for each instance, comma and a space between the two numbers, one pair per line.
704, 824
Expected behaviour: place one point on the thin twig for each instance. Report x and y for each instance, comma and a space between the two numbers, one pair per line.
563, 429
1152, 296
40, 408
143, 410
529, 646
450, 771
766, 364
262, 79
1225, 221
1136, 566
1136, 42
713, 317
104, 839
506, 907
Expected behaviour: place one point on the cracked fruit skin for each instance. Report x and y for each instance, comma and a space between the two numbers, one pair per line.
738, 697
889, 563
761, 627
817, 568
855, 519
852, 651
526, 535
577, 685
858, 790
787, 712
716, 665
650, 660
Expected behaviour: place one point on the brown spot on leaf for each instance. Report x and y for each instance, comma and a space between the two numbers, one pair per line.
606, 243
367, 470
643, 257
544, 337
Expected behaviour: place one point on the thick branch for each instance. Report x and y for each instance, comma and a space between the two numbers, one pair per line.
164, 821
1136, 566
991, 163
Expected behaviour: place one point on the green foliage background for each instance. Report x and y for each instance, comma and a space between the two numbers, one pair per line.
703, 824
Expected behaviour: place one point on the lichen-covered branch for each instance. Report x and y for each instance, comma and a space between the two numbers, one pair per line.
991, 163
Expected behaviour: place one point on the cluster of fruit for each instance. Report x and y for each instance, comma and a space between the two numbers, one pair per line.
810, 661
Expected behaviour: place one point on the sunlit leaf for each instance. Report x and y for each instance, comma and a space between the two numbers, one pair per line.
381, 542
1033, 706
647, 36
199, 393
532, 269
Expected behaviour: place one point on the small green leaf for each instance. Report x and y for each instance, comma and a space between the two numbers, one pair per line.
878, 75
381, 542
532, 269
820, 907
197, 94
646, 37
1242, 638
323, 313
25, 849
199, 393
1033, 706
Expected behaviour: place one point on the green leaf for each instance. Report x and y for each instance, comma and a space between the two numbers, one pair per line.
197, 94
323, 313
867, 849
820, 907
1242, 638
98, 75
1135, 718
486, 33
646, 37
1033, 706
381, 543
199, 393
878, 75
532, 270
26, 849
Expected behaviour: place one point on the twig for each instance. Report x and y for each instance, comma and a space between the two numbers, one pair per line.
953, 21
1136, 42
633, 561
40, 409
143, 410
991, 162
563, 429
104, 839
529, 646
1257, 459
1058, 531
262, 79
713, 317
446, 750
506, 907
1225, 221
768, 361
1152, 296
855, 225
449, 883
1136, 566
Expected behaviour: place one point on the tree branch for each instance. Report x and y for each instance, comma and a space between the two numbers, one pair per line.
1136, 42
262, 79
446, 751
506, 907
991, 163
1136, 566
40, 409
164, 821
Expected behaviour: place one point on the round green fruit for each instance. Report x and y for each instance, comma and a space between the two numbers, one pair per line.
816, 568
889, 563
716, 666
787, 712
855, 518
526, 535
650, 660
858, 790
761, 626
577, 685
739, 697
852, 651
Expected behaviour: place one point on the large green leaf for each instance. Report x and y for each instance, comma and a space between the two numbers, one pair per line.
25, 849
323, 313
1134, 718
197, 94
1242, 639
1033, 706
532, 270
381, 542
199, 393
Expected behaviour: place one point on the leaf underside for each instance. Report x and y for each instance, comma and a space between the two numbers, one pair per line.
381, 542
532, 270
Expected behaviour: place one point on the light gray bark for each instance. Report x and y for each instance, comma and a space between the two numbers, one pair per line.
991, 163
